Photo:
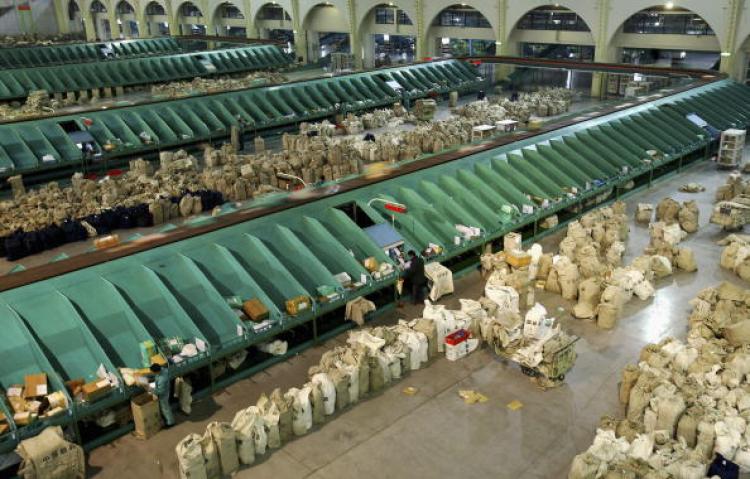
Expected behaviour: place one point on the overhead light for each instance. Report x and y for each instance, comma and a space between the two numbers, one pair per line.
669, 5
445, 40
386, 37
726, 54
683, 54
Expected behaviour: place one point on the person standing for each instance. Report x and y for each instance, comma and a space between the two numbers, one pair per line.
161, 389
414, 274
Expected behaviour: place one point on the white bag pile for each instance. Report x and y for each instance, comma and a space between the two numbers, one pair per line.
373, 359
736, 255
685, 400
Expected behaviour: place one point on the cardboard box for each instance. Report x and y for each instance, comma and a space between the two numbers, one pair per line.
17, 403
74, 386
146, 415
255, 310
35, 385
96, 390
517, 259
24, 418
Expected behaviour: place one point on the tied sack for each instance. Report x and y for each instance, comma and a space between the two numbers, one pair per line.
286, 415
190, 462
49, 455
301, 410
629, 377
226, 444
271, 418
211, 456
318, 413
260, 436
243, 425
328, 391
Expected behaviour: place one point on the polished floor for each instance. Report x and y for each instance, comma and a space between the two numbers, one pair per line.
433, 433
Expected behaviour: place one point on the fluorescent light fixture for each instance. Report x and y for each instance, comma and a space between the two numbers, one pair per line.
669, 5
386, 37
726, 54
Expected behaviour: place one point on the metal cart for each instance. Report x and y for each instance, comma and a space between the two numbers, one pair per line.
556, 363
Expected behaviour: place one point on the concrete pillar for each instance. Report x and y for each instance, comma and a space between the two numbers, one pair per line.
300, 37
730, 51
172, 16
61, 15
351, 7
140, 18
114, 27
502, 45
602, 52
88, 25
421, 32
251, 31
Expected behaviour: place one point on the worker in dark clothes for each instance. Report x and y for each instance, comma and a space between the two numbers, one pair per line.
415, 276
161, 390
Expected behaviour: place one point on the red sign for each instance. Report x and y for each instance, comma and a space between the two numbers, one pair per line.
25, 7
396, 208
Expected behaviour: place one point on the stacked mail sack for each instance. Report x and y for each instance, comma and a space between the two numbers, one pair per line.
372, 360
212, 85
732, 188
53, 215
686, 401
532, 340
735, 256
589, 270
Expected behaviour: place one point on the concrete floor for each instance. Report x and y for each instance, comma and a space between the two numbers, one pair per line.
433, 433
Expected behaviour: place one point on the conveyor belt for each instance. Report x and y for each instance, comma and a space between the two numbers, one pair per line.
36, 56
18, 83
69, 324
176, 123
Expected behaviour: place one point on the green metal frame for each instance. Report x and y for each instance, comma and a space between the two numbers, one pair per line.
18, 83
181, 122
40, 56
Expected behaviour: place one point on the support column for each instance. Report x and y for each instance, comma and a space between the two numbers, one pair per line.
300, 37
88, 25
351, 6
251, 31
114, 28
601, 54
172, 16
502, 42
61, 15
140, 19
729, 52
420, 38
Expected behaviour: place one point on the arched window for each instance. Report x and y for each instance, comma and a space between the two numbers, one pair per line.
461, 16
229, 10
552, 17
660, 20
155, 8
124, 8
98, 7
